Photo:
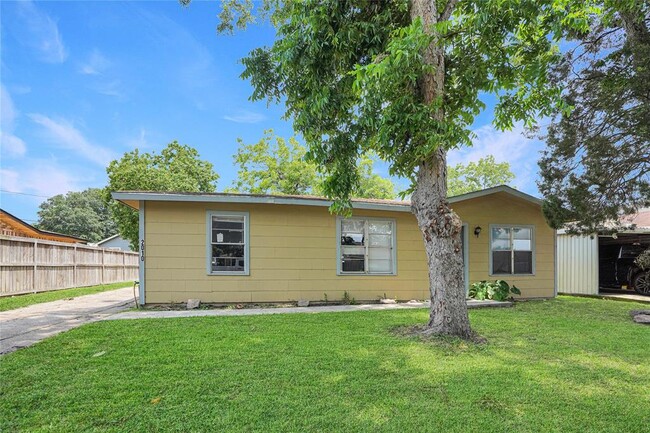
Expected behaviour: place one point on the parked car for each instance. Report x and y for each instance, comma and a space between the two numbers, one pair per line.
629, 273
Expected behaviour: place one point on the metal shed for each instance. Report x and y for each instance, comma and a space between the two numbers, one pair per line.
584, 262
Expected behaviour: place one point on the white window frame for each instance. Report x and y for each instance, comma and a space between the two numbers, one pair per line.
247, 259
366, 272
512, 256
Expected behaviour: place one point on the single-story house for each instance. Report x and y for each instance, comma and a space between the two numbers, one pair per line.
232, 248
115, 242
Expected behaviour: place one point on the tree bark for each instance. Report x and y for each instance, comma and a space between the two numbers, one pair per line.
439, 224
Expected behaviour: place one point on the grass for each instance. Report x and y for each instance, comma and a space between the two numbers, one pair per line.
566, 365
19, 301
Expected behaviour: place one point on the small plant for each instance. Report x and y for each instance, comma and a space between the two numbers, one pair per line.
643, 260
325, 297
347, 300
497, 290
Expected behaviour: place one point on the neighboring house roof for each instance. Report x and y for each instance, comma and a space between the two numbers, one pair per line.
132, 198
639, 220
110, 238
637, 223
13, 226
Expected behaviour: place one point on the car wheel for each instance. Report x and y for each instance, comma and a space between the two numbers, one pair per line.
642, 283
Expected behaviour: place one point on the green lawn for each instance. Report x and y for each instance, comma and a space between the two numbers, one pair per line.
19, 301
570, 365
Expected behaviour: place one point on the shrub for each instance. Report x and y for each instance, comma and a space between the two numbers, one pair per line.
643, 260
497, 290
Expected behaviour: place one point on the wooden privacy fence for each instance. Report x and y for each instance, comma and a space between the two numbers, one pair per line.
30, 265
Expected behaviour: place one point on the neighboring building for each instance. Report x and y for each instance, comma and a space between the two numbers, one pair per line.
222, 248
590, 264
13, 226
115, 242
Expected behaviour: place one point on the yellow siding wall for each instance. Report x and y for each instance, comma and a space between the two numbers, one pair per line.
293, 253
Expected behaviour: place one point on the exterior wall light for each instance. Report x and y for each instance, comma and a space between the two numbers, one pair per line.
477, 231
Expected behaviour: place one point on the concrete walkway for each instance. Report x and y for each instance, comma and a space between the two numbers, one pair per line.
149, 314
23, 327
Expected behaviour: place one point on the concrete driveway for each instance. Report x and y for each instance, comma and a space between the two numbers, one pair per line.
25, 326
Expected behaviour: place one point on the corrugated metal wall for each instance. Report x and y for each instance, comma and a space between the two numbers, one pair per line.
577, 264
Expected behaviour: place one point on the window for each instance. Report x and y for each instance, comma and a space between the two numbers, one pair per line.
511, 250
228, 243
366, 246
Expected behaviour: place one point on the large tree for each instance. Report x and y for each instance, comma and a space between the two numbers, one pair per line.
474, 176
406, 79
274, 165
597, 165
83, 214
177, 168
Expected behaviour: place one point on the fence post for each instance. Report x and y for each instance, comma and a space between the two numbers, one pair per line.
74, 266
35, 262
103, 265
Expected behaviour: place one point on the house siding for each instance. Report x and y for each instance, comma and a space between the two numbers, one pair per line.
293, 253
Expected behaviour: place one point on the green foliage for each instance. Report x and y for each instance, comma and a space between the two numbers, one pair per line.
643, 260
338, 372
475, 176
597, 165
268, 168
83, 214
497, 290
282, 168
350, 76
177, 168
347, 299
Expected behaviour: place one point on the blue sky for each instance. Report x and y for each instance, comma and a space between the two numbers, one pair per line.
83, 82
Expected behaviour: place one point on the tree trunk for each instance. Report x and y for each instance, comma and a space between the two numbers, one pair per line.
439, 224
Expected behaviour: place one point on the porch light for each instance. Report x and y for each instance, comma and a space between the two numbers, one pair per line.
477, 231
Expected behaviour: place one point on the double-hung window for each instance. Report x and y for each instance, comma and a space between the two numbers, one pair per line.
228, 243
511, 250
366, 246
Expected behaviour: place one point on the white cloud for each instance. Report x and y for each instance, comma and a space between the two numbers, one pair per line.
139, 142
506, 146
39, 177
40, 32
245, 116
111, 88
10, 144
66, 136
95, 65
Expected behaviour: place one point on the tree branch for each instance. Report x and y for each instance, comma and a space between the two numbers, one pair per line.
449, 8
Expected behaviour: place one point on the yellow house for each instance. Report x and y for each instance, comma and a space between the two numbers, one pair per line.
223, 248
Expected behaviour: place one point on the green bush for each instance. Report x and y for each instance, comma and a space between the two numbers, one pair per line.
643, 260
497, 290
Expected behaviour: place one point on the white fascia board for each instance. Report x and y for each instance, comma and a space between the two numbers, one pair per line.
488, 191
206, 198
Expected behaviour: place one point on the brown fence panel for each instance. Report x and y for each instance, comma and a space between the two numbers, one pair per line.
32, 265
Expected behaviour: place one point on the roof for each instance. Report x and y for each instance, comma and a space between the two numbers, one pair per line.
132, 198
27, 230
639, 220
110, 238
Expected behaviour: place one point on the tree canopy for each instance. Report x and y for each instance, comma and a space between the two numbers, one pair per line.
406, 79
177, 168
474, 176
597, 164
274, 165
83, 214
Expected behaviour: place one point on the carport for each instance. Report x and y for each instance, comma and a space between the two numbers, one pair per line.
598, 264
